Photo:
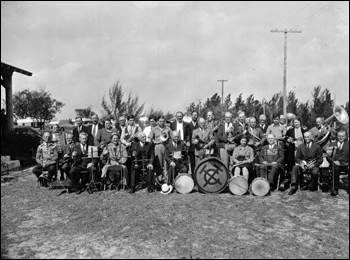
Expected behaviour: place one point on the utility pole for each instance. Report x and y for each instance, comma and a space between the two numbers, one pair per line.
222, 95
263, 104
199, 107
285, 31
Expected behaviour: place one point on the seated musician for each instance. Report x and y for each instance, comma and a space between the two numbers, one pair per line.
243, 157
115, 156
271, 158
81, 163
339, 156
143, 158
203, 141
46, 157
175, 158
309, 157
67, 160
59, 139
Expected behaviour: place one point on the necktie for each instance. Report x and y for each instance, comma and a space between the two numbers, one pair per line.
94, 131
340, 145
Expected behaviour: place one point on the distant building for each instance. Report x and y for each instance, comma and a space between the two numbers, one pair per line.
29, 122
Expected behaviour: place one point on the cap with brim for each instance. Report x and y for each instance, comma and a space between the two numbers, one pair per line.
166, 189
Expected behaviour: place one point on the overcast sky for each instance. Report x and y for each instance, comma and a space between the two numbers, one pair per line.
172, 53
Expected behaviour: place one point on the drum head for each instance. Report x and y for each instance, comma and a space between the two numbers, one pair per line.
211, 175
238, 185
184, 183
260, 187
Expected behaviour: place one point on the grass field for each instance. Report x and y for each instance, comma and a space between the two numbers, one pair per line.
36, 223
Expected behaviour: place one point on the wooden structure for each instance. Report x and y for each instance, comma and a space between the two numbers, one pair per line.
6, 82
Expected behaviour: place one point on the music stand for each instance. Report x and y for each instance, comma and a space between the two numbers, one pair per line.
92, 181
143, 169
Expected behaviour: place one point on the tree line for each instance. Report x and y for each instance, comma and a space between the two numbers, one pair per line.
39, 104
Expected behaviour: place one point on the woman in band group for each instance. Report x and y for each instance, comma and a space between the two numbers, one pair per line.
294, 137
116, 156
243, 157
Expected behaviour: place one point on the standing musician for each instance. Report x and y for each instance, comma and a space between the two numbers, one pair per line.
203, 140
79, 129
276, 129
93, 129
257, 135
243, 157
115, 156
104, 135
263, 122
190, 128
319, 131
143, 154
133, 129
149, 128
271, 158
122, 129
46, 158
214, 126
158, 138
241, 125
78, 180
309, 157
175, 157
226, 139
339, 157
293, 138
67, 160
180, 126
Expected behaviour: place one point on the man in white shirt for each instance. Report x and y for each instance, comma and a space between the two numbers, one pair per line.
179, 125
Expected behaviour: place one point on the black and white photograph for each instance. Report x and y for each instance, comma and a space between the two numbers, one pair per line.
174, 129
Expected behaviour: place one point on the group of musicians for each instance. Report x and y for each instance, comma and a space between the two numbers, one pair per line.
156, 154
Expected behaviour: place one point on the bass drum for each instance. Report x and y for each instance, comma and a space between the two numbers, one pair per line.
184, 183
238, 185
260, 187
211, 175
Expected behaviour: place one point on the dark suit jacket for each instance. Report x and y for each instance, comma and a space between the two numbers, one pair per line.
184, 126
169, 150
80, 154
190, 128
340, 155
276, 154
91, 138
263, 128
290, 146
222, 137
76, 133
315, 152
147, 151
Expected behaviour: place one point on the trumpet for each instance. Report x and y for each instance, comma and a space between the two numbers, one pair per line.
308, 165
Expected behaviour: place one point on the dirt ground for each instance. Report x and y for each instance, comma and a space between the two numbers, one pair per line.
36, 223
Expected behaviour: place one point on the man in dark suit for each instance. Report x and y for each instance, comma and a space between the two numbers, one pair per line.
263, 122
79, 129
226, 139
67, 160
190, 127
143, 158
175, 156
271, 157
309, 157
180, 126
93, 129
80, 164
339, 157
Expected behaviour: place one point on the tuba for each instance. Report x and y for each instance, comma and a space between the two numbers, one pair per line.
341, 115
164, 136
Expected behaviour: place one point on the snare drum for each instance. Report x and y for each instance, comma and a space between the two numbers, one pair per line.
238, 185
184, 183
260, 186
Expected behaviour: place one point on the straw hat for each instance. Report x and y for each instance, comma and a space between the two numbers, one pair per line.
166, 189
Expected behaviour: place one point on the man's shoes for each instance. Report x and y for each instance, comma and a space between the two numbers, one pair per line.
306, 188
292, 191
62, 178
78, 192
150, 189
334, 192
89, 190
132, 190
